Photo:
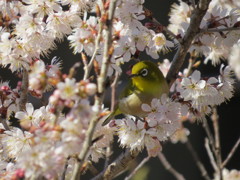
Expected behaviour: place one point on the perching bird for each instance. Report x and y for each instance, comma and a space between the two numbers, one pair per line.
146, 82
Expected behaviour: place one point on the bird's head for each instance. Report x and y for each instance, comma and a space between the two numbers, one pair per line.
147, 77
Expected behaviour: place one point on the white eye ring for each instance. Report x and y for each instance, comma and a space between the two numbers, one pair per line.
144, 72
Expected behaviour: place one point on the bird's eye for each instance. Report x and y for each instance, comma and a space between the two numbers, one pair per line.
144, 72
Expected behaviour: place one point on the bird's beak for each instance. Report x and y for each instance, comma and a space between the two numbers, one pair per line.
133, 75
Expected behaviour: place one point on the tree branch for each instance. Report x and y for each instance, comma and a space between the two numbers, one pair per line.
23, 90
192, 31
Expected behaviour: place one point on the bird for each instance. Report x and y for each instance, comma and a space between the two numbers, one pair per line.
146, 82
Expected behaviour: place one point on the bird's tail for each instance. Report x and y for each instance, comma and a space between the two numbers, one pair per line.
111, 116
106, 121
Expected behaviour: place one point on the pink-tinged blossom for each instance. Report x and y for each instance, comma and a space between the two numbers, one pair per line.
9, 100
37, 77
7, 169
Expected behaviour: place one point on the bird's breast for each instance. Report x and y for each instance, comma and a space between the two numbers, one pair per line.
132, 104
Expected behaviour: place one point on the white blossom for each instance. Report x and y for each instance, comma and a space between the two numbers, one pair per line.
232, 174
68, 89
15, 142
161, 122
234, 59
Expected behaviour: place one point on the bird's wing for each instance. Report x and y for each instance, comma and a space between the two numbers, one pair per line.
128, 90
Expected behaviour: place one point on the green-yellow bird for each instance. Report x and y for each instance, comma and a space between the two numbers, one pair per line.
146, 82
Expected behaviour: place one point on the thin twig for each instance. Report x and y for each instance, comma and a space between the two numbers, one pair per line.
233, 150
197, 161
218, 153
209, 134
169, 167
137, 168
65, 169
187, 40
164, 28
114, 86
107, 46
118, 166
23, 90
210, 155
99, 97
88, 67
212, 30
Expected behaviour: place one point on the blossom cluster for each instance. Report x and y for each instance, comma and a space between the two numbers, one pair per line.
43, 77
130, 35
49, 140
162, 121
204, 93
214, 45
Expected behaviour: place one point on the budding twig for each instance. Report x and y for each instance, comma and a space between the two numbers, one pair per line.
98, 100
164, 28
23, 90
169, 168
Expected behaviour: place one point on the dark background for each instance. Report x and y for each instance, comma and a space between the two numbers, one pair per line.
177, 154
